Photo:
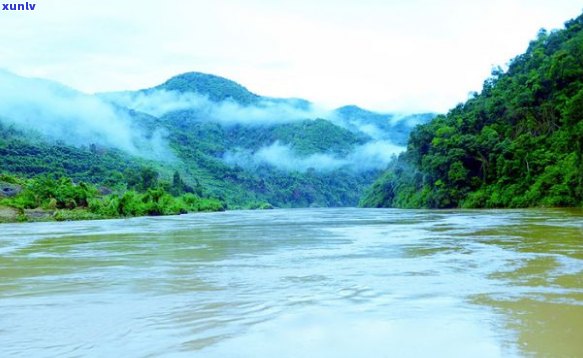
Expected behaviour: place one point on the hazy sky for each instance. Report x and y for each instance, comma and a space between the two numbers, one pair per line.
401, 55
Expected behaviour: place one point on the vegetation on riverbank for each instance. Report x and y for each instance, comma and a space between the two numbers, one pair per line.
47, 198
519, 143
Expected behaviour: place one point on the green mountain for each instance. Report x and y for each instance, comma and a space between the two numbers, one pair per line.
220, 138
216, 88
518, 143
393, 127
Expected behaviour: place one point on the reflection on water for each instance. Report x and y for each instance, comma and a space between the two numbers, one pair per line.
289, 283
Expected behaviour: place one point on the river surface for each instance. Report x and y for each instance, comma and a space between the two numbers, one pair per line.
296, 283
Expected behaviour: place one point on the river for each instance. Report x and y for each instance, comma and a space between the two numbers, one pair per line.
296, 283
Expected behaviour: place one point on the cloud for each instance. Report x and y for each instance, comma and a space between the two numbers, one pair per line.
267, 111
282, 157
156, 103
374, 155
358, 125
389, 55
371, 130
61, 113
410, 120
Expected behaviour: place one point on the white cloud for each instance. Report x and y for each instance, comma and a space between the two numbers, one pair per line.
413, 55
161, 102
157, 103
61, 113
374, 155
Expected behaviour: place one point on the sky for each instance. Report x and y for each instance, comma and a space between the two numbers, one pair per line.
385, 55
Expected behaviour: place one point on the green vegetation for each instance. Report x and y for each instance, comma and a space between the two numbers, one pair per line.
186, 149
201, 146
519, 143
27, 154
216, 88
50, 198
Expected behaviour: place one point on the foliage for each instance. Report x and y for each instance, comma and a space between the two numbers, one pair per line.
519, 143
26, 154
75, 201
49, 193
214, 87
201, 146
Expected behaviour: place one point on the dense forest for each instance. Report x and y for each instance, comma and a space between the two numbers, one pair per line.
519, 143
228, 146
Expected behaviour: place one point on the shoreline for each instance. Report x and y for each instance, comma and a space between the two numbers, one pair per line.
11, 215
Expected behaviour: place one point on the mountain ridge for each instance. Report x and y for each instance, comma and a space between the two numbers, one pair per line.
212, 131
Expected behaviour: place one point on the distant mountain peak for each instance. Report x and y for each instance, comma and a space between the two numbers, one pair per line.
216, 88
351, 107
195, 76
352, 110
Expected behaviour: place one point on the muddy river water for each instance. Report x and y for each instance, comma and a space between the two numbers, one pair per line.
296, 283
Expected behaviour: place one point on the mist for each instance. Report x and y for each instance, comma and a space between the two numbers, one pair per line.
61, 113
410, 120
267, 111
374, 155
371, 130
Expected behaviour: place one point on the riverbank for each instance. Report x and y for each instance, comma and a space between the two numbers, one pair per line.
8, 214
45, 198
15, 215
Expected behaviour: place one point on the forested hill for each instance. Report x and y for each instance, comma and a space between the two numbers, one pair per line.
216, 88
518, 143
207, 131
